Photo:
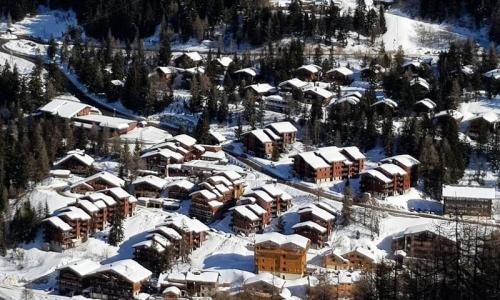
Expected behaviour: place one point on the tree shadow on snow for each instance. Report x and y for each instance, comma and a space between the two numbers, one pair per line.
126, 251
230, 261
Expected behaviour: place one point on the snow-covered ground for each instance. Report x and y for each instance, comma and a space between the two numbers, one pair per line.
44, 25
24, 67
26, 47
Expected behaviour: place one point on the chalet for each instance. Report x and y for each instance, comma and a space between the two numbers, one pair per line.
114, 125
76, 161
309, 72
107, 205
223, 63
172, 293
293, 85
425, 105
216, 138
385, 104
287, 133
96, 182
193, 232
348, 101
194, 283
67, 107
374, 181
264, 200
205, 206
179, 189
70, 280
123, 279
149, 186
401, 180
126, 202
78, 220
95, 212
334, 260
492, 75
468, 200
276, 103
340, 165
237, 182
311, 167
247, 74
261, 89
173, 237
315, 93
165, 73
424, 241
313, 231
159, 159
185, 141
258, 143
57, 234
142, 250
246, 221
266, 286
373, 73
188, 60
420, 86
357, 159
219, 156
282, 200
412, 65
483, 124
281, 255
341, 75
361, 259
408, 163
315, 223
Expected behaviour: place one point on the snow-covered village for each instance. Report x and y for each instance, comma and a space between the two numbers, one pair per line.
270, 149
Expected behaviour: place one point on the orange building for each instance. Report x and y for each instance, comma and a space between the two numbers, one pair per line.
284, 256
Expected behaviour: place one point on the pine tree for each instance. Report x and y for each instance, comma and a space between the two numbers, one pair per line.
52, 49
165, 52
116, 232
202, 128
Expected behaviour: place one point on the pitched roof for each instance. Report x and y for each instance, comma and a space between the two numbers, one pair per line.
392, 169
129, 269
217, 136
65, 107
203, 276
311, 225
262, 195
310, 68
316, 211
73, 213
282, 240
331, 154
342, 70
167, 153
267, 278
57, 222
82, 267
185, 139
183, 183
262, 88
377, 174
246, 212
261, 135
250, 71
282, 127
471, 192
319, 91
106, 121
88, 206
151, 180
386, 101
206, 194
404, 159
354, 152
77, 154
295, 82
313, 160
427, 103
225, 61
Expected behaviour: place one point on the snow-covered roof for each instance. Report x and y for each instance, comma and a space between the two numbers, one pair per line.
272, 190
219, 155
386, 101
450, 113
65, 107
166, 70
106, 121
108, 177
219, 179
261, 135
317, 212
404, 159
215, 203
73, 213
354, 152
365, 252
118, 192
94, 197
185, 139
313, 160
57, 222
167, 153
420, 81
77, 154
155, 181
349, 99
342, 70
311, 68
282, 127
82, 267
414, 63
195, 70
470, 192
217, 136
262, 195
311, 225
267, 278
377, 174
183, 183
129, 269
167, 232
172, 290
250, 71
231, 175
101, 204
427, 103
262, 88
435, 228
490, 117
206, 194
225, 61
194, 56
88, 206
282, 240
203, 276
493, 74
325, 206
331, 154
256, 209
392, 169
245, 212
468, 69
296, 83
319, 91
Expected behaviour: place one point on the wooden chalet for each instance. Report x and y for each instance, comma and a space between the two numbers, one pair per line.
424, 241
309, 72
149, 186
99, 181
179, 189
70, 279
340, 75
76, 161
188, 60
